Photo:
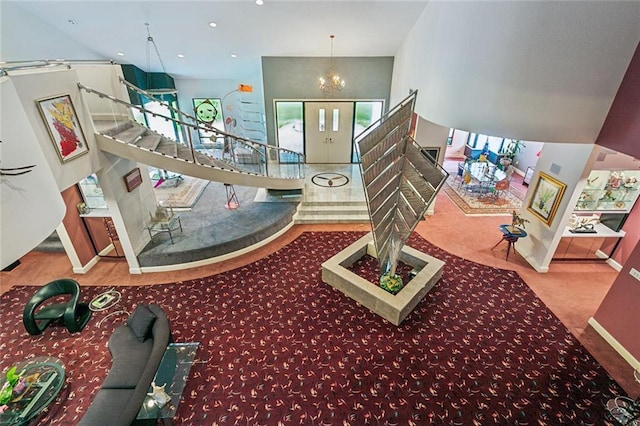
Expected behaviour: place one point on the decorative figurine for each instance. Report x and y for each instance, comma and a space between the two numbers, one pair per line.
158, 395
517, 220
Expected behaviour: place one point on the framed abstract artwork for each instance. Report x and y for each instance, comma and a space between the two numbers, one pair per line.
546, 198
61, 121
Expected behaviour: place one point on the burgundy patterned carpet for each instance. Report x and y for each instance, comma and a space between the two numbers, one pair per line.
278, 346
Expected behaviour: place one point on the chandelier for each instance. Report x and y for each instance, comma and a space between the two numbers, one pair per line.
331, 82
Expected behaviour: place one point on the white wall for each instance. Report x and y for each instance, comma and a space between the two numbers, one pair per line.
33, 86
458, 142
296, 78
523, 70
128, 210
105, 79
431, 135
30, 204
566, 163
528, 157
190, 88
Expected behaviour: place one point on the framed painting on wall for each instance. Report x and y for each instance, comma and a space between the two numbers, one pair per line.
133, 179
546, 198
64, 129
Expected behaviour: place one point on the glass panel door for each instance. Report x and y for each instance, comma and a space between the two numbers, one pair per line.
289, 127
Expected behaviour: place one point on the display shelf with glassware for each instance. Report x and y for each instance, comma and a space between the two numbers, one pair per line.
600, 213
610, 191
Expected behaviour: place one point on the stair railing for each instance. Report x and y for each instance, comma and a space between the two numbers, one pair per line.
256, 149
17, 66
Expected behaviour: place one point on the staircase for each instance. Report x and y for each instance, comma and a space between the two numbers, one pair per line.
242, 162
129, 139
331, 212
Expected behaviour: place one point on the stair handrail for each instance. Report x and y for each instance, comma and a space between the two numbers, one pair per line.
208, 127
181, 113
11, 66
166, 104
245, 142
212, 129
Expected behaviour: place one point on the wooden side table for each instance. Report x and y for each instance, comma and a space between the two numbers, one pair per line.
510, 234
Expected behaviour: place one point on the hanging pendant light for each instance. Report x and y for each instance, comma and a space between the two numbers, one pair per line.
331, 82
151, 43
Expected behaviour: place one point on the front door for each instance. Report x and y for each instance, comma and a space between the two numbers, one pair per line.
328, 132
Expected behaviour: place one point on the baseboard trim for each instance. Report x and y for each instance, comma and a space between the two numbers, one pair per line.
633, 362
212, 260
84, 269
106, 250
615, 265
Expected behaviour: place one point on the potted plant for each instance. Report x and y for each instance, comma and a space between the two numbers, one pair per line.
391, 283
509, 153
13, 386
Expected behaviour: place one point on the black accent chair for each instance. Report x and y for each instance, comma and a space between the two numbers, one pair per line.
74, 314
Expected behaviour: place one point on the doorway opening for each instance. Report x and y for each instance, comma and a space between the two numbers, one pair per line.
324, 130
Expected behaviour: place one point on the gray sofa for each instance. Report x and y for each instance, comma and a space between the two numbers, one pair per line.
136, 349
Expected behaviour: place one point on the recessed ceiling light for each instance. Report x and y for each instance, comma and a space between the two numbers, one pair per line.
233, 55
120, 54
180, 55
72, 21
213, 24
259, 2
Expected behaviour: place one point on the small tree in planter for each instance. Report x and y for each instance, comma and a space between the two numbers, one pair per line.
391, 283
509, 153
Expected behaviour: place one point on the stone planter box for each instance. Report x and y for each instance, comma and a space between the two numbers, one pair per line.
393, 308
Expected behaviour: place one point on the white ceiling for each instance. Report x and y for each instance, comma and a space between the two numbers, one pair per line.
277, 28
533, 70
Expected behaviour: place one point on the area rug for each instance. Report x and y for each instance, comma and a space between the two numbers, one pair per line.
471, 204
180, 193
278, 346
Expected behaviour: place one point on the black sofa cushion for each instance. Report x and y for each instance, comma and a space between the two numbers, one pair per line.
130, 358
141, 321
106, 408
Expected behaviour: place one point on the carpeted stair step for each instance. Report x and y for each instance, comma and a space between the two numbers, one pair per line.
51, 244
204, 159
210, 161
131, 134
359, 204
149, 141
184, 152
168, 147
316, 212
110, 128
226, 165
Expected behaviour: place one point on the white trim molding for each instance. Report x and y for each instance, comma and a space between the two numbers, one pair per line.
633, 362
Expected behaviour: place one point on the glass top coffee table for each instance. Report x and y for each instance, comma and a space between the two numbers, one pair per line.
44, 377
173, 373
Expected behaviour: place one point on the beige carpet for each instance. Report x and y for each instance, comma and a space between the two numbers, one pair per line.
180, 193
473, 204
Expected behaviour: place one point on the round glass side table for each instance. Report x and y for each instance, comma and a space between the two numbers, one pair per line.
105, 301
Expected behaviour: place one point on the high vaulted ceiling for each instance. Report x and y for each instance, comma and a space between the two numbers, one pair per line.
277, 28
535, 70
